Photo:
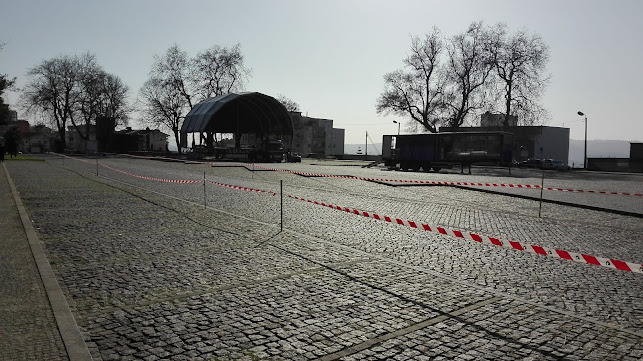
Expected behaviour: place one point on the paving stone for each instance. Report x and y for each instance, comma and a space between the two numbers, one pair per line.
141, 267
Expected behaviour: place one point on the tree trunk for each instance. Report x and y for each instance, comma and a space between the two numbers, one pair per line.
177, 139
61, 134
505, 123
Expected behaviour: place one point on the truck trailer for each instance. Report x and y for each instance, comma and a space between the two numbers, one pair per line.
444, 150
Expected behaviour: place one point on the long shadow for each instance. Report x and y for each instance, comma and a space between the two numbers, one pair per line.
93, 178
553, 201
424, 305
267, 240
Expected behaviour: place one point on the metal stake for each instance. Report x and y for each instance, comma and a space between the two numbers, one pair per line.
97, 167
542, 184
281, 190
205, 197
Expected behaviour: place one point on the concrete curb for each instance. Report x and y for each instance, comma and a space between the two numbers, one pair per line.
69, 332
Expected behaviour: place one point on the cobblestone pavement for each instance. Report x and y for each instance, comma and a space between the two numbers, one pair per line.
150, 273
27, 326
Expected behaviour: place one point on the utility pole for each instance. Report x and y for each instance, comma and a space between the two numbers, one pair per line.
366, 147
585, 156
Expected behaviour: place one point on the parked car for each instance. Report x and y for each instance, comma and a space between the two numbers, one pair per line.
547, 164
555, 164
293, 157
531, 163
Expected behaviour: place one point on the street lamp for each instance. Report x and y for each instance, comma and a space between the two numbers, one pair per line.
585, 156
398, 126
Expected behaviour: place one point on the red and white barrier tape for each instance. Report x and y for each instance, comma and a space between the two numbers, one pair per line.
545, 251
182, 181
242, 188
474, 184
179, 180
529, 186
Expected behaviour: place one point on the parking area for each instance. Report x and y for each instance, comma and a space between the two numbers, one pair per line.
200, 261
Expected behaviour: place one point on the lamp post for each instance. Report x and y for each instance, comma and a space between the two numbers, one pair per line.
398, 126
585, 156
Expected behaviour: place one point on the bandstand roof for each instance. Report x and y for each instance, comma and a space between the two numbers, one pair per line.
248, 112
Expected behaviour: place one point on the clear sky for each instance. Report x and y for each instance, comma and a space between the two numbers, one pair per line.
330, 56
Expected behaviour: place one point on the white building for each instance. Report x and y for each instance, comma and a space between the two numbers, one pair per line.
316, 136
85, 143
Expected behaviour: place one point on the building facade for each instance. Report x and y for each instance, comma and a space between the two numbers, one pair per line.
633, 164
529, 141
40, 139
33, 139
126, 140
76, 142
316, 137
143, 140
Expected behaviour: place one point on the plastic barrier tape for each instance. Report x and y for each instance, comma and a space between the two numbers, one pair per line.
475, 184
545, 251
242, 188
471, 184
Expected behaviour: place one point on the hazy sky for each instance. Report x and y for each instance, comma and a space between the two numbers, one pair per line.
330, 56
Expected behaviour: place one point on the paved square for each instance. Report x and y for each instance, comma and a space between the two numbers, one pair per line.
151, 273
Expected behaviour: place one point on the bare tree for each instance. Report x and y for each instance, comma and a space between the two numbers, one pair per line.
168, 94
290, 104
416, 92
218, 71
90, 75
114, 100
103, 95
6, 83
76, 90
163, 106
52, 91
519, 60
468, 67
174, 71
177, 82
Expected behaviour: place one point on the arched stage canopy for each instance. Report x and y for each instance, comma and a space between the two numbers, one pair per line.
239, 113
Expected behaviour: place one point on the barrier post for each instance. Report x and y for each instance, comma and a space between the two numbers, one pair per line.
205, 197
281, 191
97, 167
542, 185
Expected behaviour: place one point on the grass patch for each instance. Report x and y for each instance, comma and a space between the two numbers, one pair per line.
7, 157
